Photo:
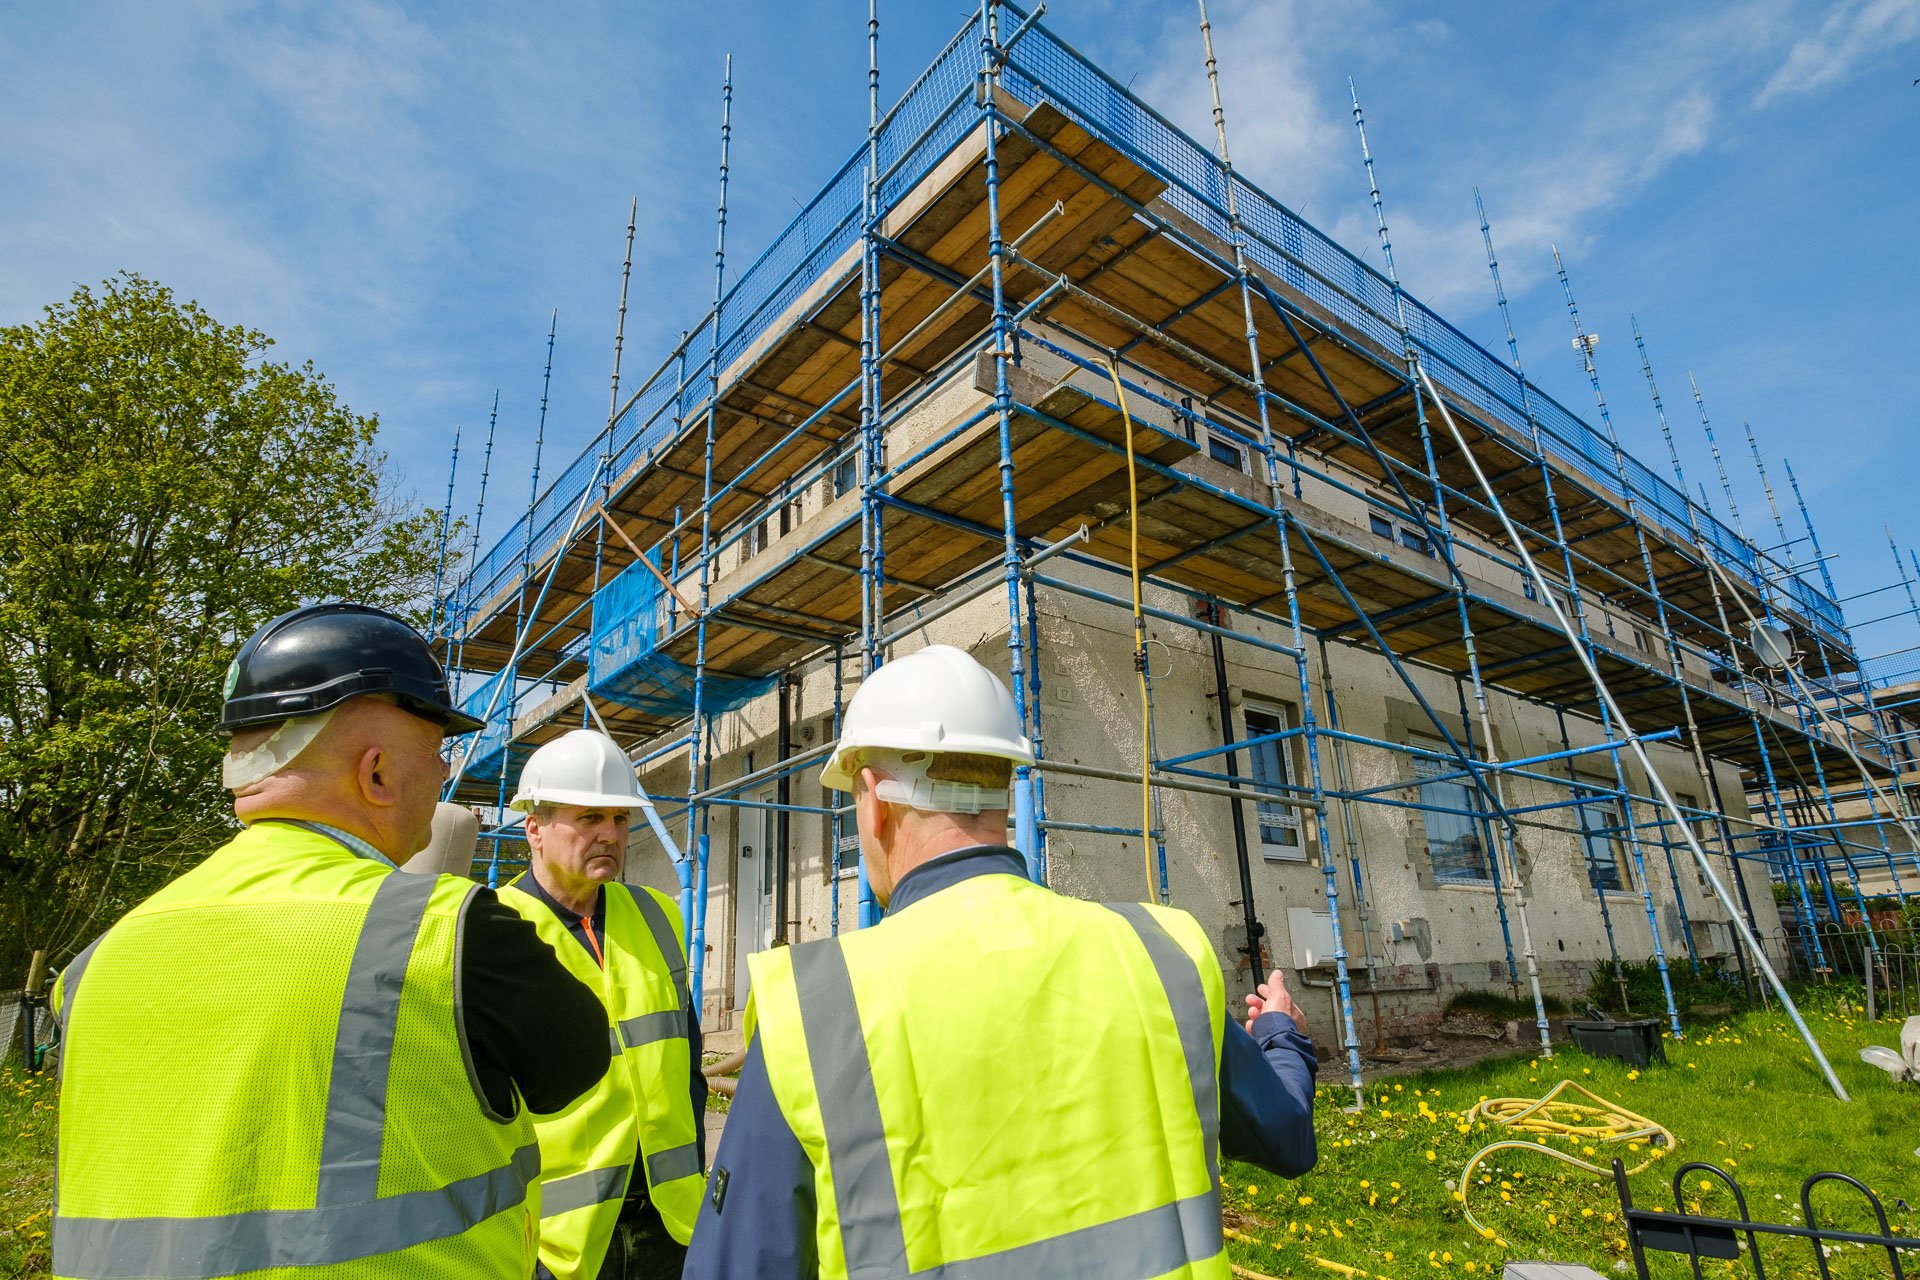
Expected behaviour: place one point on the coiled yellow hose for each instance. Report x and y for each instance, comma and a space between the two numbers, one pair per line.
1542, 1116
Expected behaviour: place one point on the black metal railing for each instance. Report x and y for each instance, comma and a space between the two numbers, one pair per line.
1699, 1237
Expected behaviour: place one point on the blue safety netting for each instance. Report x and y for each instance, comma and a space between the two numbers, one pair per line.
488, 754
624, 666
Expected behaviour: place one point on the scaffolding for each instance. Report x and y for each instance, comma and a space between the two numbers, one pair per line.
1021, 235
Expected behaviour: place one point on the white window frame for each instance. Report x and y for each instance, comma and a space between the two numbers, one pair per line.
1283, 819
1401, 533
1593, 795
1433, 768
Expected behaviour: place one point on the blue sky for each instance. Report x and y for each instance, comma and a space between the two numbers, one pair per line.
403, 194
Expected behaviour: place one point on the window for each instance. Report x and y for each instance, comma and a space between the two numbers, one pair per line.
1452, 813
1222, 449
1410, 536
757, 537
1702, 831
1532, 592
1600, 826
846, 474
1273, 767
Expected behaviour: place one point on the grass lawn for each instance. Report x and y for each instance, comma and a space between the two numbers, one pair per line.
26, 1171
1739, 1093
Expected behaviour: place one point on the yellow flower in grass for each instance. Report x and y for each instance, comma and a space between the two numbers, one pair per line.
1388, 1255
1364, 1184
1431, 1156
1306, 1199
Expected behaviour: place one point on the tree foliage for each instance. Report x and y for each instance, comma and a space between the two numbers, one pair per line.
164, 489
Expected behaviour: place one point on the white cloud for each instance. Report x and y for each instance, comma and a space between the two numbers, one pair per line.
1853, 32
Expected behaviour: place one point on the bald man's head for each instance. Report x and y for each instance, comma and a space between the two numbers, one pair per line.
374, 770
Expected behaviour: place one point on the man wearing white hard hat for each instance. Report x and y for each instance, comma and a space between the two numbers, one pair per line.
621, 1169
995, 1080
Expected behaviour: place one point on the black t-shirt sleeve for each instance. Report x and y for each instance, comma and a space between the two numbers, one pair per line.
529, 1024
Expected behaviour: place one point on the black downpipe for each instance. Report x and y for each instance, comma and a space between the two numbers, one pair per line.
783, 795
1255, 949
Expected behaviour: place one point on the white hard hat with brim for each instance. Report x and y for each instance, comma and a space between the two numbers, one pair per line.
938, 700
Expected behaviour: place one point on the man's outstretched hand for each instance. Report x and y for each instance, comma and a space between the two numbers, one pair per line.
1272, 996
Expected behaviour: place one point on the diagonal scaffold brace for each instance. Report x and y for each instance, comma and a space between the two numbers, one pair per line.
1633, 739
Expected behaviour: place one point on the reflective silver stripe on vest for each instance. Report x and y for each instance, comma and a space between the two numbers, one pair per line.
868, 1206
669, 946
363, 1048
651, 1028
69, 984
1188, 999
1150, 1243
674, 1162
578, 1190
199, 1248
668, 1024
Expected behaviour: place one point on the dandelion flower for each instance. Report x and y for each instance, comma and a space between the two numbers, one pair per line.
1430, 1155
1306, 1199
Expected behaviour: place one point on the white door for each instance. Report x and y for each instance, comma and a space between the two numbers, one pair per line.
753, 884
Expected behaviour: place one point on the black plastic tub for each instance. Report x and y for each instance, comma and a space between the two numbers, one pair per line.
1636, 1043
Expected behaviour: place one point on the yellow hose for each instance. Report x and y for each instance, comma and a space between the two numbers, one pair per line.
1538, 1116
1248, 1273
1139, 644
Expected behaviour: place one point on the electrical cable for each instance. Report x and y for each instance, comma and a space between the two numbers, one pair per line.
1139, 641
1538, 1116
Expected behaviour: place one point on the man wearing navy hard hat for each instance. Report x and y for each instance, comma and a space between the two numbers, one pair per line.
292, 1056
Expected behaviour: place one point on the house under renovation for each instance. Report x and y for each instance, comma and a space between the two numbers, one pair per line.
1329, 627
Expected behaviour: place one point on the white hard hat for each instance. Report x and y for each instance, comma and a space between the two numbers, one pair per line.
582, 767
938, 699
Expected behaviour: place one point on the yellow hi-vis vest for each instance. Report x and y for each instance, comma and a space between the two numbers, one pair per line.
262, 1068
643, 1106
1002, 1083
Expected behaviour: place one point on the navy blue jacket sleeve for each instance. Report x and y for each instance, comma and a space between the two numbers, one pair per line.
1266, 1095
758, 1219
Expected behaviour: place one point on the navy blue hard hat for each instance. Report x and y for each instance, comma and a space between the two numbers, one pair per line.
311, 659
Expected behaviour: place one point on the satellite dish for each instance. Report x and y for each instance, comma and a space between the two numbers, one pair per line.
1772, 646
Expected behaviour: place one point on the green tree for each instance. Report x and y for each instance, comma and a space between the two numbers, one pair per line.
164, 489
